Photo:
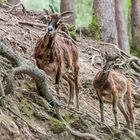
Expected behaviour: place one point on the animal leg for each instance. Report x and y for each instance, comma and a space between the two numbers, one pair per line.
57, 80
121, 106
71, 92
129, 104
115, 102
101, 105
76, 83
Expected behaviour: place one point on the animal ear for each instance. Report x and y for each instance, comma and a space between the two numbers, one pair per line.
46, 11
107, 57
66, 15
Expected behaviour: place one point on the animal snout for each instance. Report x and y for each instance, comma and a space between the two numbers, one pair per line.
50, 28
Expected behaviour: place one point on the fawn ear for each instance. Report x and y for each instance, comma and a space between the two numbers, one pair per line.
66, 15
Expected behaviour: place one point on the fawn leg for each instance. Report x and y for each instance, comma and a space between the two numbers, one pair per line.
101, 105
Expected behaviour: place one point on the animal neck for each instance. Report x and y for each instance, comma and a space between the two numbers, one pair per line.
48, 40
103, 76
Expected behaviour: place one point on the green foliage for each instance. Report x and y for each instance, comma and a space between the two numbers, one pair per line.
135, 51
40, 4
83, 9
26, 109
94, 27
127, 4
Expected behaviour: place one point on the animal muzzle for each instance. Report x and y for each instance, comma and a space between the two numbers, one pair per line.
50, 28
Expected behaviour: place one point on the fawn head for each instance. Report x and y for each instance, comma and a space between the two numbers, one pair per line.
108, 61
54, 19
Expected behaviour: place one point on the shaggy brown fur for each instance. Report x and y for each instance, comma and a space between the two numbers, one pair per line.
58, 56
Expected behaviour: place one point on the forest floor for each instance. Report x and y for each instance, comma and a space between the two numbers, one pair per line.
26, 119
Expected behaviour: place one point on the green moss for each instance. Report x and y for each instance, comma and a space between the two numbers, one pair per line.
69, 116
124, 136
41, 102
27, 85
57, 126
135, 51
94, 27
73, 35
81, 124
26, 109
71, 29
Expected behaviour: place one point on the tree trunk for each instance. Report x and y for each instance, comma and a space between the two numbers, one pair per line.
68, 5
104, 14
135, 25
13, 2
123, 42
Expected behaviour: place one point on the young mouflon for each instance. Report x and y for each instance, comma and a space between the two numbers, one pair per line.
116, 87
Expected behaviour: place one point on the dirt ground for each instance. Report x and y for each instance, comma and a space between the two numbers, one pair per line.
22, 39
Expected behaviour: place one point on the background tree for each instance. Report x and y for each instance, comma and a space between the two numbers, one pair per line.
123, 42
68, 5
13, 2
135, 26
103, 15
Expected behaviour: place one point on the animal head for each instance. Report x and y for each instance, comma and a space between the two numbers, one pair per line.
54, 19
108, 61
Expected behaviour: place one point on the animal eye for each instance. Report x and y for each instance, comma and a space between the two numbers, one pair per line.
48, 18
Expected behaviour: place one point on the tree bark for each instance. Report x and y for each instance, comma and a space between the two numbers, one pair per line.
104, 11
123, 42
135, 24
13, 2
68, 5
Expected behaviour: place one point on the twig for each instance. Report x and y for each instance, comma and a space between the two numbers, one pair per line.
3, 19
66, 35
32, 24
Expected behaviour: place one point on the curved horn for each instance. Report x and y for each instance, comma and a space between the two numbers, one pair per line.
46, 11
52, 8
65, 13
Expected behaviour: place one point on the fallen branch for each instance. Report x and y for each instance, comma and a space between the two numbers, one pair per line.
32, 24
